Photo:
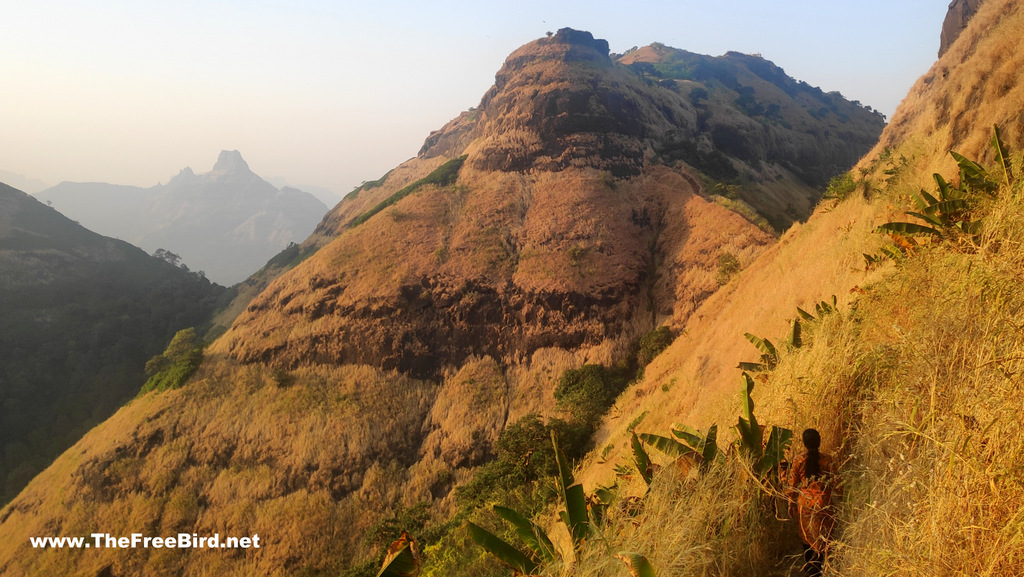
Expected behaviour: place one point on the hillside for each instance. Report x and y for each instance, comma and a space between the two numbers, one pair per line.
227, 222
570, 215
910, 382
554, 225
82, 314
975, 84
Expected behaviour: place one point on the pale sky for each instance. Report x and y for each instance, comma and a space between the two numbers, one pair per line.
334, 93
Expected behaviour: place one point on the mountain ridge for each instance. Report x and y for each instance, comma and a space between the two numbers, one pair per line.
227, 222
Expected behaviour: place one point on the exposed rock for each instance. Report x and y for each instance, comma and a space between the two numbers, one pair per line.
957, 17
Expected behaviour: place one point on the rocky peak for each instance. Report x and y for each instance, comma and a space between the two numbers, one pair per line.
957, 17
185, 176
230, 161
581, 38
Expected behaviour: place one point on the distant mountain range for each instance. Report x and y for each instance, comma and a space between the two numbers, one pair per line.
227, 222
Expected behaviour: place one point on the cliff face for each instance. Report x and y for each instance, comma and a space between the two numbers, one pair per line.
975, 85
957, 17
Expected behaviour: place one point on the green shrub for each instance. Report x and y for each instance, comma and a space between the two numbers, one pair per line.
179, 360
654, 342
587, 392
840, 187
728, 266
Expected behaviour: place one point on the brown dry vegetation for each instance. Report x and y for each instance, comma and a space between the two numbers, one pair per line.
499, 265
913, 384
976, 84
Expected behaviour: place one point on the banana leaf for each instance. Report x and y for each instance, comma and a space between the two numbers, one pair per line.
642, 459
689, 435
670, 447
637, 564
709, 449
774, 451
763, 345
575, 517
497, 546
532, 535
401, 560
930, 219
908, 228
565, 477
1002, 156
796, 335
947, 207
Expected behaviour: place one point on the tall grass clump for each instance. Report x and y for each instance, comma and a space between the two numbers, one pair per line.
720, 522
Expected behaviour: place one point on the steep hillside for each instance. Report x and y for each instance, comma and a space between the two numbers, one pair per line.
975, 84
433, 309
556, 213
226, 222
911, 383
82, 314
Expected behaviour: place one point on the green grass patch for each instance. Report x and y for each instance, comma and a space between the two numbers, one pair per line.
444, 175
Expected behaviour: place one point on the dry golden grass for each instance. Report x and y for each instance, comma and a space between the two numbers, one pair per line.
715, 523
695, 380
918, 390
913, 385
974, 85
308, 462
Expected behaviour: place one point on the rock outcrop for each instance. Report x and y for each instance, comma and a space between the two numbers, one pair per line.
957, 17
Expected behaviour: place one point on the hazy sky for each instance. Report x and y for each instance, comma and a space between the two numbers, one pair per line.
334, 93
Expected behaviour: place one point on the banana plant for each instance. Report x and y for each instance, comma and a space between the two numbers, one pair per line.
765, 456
769, 355
822, 308
701, 448
575, 515
402, 559
950, 212
539, 546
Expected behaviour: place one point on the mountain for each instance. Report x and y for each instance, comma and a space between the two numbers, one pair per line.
585, 208
975, 84
226, 222
82, 314
578, 206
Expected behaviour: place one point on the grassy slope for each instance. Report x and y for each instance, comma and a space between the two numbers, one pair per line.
914, 390
914, 387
